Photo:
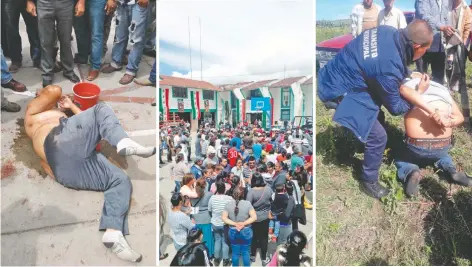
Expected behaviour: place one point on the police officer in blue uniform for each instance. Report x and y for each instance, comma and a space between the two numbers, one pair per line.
367, 74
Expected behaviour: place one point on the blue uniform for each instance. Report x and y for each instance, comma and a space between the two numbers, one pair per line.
364, 75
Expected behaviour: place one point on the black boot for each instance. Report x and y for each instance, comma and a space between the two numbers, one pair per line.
461, 178
375, 190
413, 182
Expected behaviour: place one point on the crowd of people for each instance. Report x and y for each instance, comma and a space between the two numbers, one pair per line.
244, 188
373, 71
51, 47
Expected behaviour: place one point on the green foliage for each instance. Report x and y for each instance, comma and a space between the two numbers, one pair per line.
388, 176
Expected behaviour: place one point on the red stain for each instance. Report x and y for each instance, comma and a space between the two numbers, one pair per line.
8, 169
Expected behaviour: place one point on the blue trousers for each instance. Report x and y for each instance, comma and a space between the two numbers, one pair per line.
240, 245
207, 237
131, 23
413, 157
152, 74
221, 248
6, 75
89, 30
373, 153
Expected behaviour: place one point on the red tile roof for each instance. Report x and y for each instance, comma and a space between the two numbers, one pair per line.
188, 83
257, 85
309, 81
286, 82
234, 86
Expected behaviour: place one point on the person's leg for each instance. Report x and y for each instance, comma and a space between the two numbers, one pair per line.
106, 31
123, 20
137, 35
64, 17
263, 237
33, 36
224, 245
150, 44
233, 236
246, 238
295, 224
276, 227
6, 75
438, 65
82, 35
285, 231
97, 24
47, 38
446, 164
373, 153
152, 75
218, 243
12, 19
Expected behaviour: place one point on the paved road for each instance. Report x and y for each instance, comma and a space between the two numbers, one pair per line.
166, 185
44, 223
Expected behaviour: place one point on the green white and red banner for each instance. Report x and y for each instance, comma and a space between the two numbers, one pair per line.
197, 100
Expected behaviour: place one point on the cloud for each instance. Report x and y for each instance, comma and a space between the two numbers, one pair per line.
257, 38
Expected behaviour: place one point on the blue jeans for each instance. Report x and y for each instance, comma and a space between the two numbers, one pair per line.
285, 231
221, 248
373, 153
6, 76
241, 245
412, 157
89, 30
152, 74
275, 224
131, 22
151, 28
177, 186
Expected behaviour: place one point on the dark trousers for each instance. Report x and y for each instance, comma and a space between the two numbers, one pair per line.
11, 19
169, 154
50, 12
260, 238
437, 60
373, 153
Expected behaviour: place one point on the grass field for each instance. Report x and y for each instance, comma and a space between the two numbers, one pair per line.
434, 228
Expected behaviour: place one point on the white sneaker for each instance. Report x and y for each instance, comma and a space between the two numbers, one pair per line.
120, 247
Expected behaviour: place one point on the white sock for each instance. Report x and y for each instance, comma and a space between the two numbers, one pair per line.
115, 241
128, 147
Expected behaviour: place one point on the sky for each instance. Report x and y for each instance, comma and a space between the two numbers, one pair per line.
240, 40
325, 10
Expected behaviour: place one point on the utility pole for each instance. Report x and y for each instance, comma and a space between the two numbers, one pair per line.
201, 61
190, 47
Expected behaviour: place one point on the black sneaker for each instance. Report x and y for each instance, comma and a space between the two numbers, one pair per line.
46, 82
253, 258
216, 262
461, 178
375, 189
226, 262
413, 182
10, 106
72, 77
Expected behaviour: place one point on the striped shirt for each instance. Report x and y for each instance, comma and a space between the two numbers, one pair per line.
180, 225
216, 206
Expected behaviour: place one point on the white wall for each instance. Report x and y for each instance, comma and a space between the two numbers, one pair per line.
187, 104
277, 99
308, 91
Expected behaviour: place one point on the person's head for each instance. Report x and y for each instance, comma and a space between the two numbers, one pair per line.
238, 194
310, 152
257, 180
271, 152
200, 186
224, 162
176, 200
296, 242
242, 147
289, 156
220, 187
420, 34
199, 161
251, 162
239, 163
262, 168
367, 3
179, 158
388, 5
287, 144
210, 166
280, 188
270, 166
263, 159
227, 141
218, 169
212, 143
192, 254
278, 166
188, 179
195, 235
289, 188
235, 181
208, 172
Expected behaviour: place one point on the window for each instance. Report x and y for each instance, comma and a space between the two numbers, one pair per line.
256, 93
285, 97
179, 92
285, 115
208, 95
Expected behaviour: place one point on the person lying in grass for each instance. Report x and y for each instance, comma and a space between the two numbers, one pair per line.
427, 142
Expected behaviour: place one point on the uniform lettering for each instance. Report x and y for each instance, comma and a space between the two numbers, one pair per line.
365, 44
369, 44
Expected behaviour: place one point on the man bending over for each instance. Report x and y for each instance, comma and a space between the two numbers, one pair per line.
66, 147
428, 143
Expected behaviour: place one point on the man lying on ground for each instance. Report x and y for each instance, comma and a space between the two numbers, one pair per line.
428, 143
66, 147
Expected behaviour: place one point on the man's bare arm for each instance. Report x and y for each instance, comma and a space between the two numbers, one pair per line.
456, 118
413, 97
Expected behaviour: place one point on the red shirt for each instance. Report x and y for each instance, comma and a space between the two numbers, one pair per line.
268, 147
232, 156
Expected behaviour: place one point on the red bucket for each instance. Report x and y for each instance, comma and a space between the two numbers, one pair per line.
86, 95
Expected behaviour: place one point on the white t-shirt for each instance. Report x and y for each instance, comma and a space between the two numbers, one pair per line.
176, 140
395, 18
272, 158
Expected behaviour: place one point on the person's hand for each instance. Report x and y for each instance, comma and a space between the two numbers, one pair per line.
239, 226
447, 30
193, 221
110, 7
424, 83
79, 8
416, 75
438, 119
143, 3
65, 102
31, 8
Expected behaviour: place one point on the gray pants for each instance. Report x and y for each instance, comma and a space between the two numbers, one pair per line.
50, 12
70, 151
283, 234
